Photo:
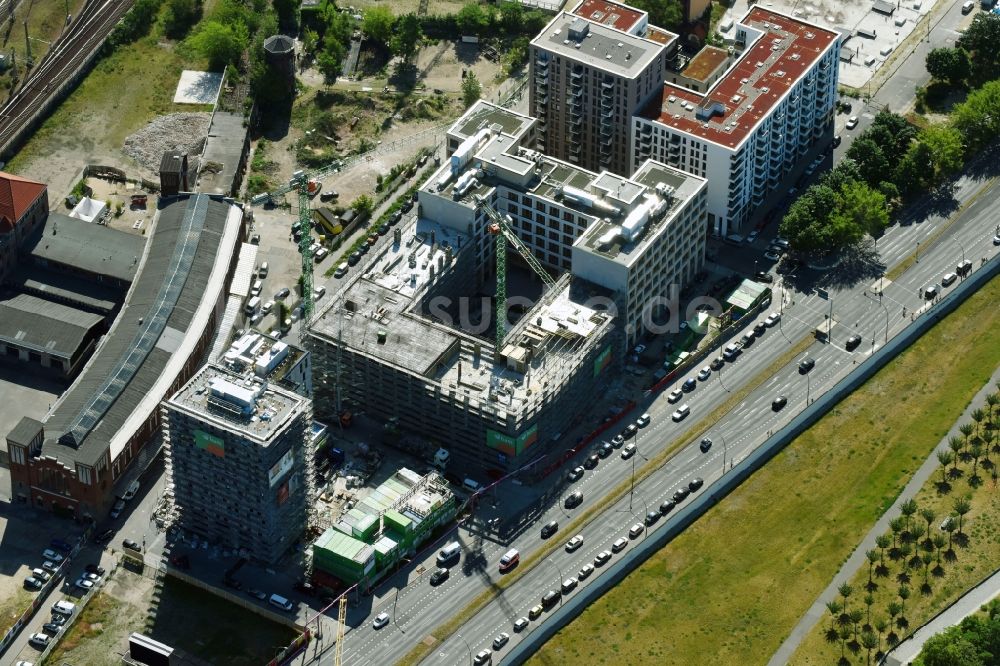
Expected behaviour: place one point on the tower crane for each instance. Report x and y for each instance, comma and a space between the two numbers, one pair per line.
500, 226
304, 249
338, 653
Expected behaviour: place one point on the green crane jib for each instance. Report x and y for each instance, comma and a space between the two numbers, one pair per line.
304, 249
501, 228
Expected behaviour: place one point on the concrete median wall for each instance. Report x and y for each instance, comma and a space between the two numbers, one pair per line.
717, 490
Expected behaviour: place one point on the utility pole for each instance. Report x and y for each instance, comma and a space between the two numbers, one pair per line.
27, 45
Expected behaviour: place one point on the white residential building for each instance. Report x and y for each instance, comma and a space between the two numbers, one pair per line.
751, 127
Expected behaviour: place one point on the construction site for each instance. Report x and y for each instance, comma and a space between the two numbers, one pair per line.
490, 356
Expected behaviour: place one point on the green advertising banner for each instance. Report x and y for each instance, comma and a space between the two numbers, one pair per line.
210, 443
512, 446
602, 360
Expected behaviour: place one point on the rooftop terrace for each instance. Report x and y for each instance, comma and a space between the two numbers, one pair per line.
758, 80
611, 14
485, 114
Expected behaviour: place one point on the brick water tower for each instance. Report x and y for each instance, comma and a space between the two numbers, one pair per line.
279, 53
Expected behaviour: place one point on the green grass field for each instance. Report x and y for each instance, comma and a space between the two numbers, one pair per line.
730, 588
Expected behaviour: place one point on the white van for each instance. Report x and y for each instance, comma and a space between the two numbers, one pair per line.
262, 271
252, 306
280, 602
257, 287
471, 485
64, 608
449, 554
130, 492
321, 254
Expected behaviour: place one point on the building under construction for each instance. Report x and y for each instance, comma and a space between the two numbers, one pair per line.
420, 336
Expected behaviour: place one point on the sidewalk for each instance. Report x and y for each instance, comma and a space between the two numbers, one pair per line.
857, 558
966, 605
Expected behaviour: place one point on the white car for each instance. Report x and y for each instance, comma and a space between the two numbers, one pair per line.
52, 556
752, 236
267, 307
639, 349
772, 319
501, 640
574, 543
380, 620
585, 571
704, 373
628, 451
643, 421
619, 545
39, 640
852, 122
675, 395
681, 413
84, 584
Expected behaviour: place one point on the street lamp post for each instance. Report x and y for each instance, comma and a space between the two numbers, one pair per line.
963, 250
467, 647
559, 580
807, 389
884, 307
917, 253
725, 449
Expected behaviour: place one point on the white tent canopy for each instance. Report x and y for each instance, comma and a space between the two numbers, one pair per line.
89, 210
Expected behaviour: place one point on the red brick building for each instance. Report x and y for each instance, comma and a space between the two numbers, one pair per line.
24, 205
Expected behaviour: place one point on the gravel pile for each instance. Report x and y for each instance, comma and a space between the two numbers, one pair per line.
175, 131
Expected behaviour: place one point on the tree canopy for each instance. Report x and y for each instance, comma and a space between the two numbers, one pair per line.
471, 89
472, 19
667, 14
222, 44
974, 642
407, 36
980, 40
978, 117
377, 23
949, 65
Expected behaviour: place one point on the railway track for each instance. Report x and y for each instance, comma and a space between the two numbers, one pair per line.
85, 34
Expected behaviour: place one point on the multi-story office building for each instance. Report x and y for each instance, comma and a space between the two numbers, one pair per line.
750, 128
238, 461
590, 71
411, 339
645, 258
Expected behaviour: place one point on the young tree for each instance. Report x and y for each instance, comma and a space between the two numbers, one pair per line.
948, 65
978, 117
944, 457
512, 16
363, 205
471, 89
377, 24
861, 211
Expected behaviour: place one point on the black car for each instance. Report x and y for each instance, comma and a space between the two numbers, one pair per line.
605, 450
836, 140
233, 583
549, 529
652, 517
591, 461
689, 384
94, 569
396, 217
717, 363
105, 537
573, 500
354, 258
680, 494
748, 339
853, 342
763, 276
779, 403
305, 587
132, 545
574, 474
705, 445
695, 484
407, 205
255, 239
667, 507
806, 364
51, 628
439, 576
759, 329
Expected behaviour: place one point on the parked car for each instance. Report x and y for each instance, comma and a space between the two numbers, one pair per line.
591, 461
852, 122
105, 537
131, 545
695, 484
643, 420
52, 556
652, 517
329, 195
763, 276
930, 292
574, 474
39, 640
94, 569
704, 373
501, 640
84, 584
257, 594
32, 583
602, 558
635, 531
675, 396
681, 494
51, 628
619, 545
605, 450
585, 571
689, 385
535, 612
717, 363
628, 451
772, 319
49, 566
667, 506
520, 624
483, 658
